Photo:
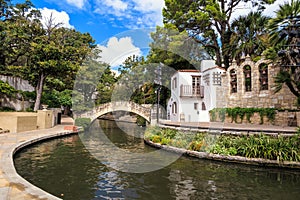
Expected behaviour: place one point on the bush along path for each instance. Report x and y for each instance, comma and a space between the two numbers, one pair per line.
260, 149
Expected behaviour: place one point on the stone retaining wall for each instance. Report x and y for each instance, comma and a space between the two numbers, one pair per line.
232, 159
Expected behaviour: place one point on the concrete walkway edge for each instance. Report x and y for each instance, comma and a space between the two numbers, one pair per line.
12, 185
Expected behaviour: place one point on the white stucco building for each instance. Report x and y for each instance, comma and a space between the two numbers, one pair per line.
193, 93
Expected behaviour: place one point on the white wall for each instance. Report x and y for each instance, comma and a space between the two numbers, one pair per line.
185, 105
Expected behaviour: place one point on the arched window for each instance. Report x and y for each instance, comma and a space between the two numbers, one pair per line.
233, 81
263, 77
174, 108
247, 74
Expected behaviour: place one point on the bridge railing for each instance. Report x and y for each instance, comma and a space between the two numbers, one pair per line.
115, 106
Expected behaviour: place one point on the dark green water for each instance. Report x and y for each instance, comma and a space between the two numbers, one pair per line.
65, 166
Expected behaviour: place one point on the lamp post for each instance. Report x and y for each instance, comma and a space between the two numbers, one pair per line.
158, 81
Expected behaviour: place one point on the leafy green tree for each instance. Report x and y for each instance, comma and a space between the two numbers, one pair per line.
285, 38
6, 89
86, 82
249, 36
175, 49
131, 78
41, 54
58, 54
105, 86
18, 27
208, 22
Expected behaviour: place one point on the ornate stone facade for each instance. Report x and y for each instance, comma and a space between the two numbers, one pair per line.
251, 84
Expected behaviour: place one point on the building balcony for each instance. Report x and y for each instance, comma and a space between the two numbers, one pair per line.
191, 91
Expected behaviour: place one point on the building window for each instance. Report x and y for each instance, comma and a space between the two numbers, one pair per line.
233, 81
196, 85
247, 75
174, 83
217, 78
174, 108
203, 106
263, 77
196, 106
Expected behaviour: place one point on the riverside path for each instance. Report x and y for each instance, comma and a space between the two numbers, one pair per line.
12, 185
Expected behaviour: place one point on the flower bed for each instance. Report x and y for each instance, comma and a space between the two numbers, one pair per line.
260, 146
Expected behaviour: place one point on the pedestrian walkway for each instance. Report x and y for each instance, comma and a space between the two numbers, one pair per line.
231, 127
13, 186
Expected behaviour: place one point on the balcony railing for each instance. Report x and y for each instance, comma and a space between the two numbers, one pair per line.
191, 91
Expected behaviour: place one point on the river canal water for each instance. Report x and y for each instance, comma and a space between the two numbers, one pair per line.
65, 168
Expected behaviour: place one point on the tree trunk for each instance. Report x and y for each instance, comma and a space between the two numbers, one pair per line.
39, 91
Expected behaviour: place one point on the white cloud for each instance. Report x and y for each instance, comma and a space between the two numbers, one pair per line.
77, 3
58, 17
117, 50
116, 4
149, 5
134, 13
270, 10
246, 8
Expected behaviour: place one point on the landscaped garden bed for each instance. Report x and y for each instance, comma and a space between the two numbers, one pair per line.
257, 149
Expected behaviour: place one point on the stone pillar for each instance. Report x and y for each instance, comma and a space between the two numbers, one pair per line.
44, 119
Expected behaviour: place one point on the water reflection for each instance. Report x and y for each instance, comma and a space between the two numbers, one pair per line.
122, 151
65, 166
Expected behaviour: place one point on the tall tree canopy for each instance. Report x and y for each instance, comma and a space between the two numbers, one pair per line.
285, 36
208, 22
39, 54
249, 36
175, 49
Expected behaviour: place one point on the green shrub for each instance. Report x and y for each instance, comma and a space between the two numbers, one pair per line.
213, 116
156, 138
6, 109
222, 114
169, 133
253, 146
165, 141
83, 122
141, 121
195, 145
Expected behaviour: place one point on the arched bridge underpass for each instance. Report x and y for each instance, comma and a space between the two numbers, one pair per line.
116, 106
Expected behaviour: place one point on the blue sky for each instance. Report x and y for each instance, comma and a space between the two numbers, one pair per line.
120, 27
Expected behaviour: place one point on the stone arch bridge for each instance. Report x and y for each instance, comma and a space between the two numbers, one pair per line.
129, 106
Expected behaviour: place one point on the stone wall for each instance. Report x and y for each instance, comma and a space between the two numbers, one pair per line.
16, 104
282, 118
257, 97
17, 83
17, 122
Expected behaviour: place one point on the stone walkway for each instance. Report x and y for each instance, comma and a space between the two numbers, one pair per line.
13, 186
228, 127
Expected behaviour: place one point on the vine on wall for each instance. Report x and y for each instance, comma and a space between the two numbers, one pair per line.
237, 112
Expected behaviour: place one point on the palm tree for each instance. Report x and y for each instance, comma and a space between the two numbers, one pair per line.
248, 37
285, 37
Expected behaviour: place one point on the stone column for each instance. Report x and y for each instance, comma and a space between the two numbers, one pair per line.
44, 119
